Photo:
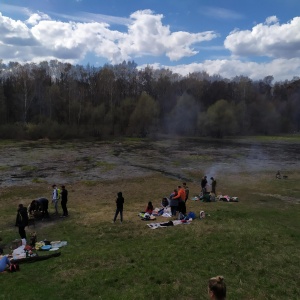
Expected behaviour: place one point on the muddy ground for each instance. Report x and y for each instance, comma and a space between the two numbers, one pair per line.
24, 163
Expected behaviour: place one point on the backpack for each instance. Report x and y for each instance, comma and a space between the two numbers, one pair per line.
58, 194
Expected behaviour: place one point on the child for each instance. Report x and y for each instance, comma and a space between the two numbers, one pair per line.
149, 208
119, 202
217, 288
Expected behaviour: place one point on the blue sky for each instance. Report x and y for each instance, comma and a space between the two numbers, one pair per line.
227, 37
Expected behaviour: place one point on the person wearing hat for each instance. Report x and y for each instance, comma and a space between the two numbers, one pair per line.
4, 262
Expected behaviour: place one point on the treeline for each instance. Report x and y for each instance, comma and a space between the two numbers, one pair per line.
58, 100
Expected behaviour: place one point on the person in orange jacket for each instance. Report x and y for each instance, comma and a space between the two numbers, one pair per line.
181, 199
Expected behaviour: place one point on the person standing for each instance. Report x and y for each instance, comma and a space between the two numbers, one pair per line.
22, 220
213, 185
181, 199
119, 203
64, 200
203, 184
187, 191
55, 197
174, 202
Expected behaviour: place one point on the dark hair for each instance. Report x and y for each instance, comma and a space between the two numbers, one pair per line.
120, 194
211, 178
218, 287
1, 251
62, 186
150, 205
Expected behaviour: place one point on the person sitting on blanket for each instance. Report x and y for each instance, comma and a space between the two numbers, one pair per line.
217, 288
4, 262
149, 208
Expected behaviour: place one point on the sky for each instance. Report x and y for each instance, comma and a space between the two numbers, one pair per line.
225, 37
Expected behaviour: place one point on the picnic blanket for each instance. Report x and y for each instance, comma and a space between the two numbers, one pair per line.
168, 224
35, 258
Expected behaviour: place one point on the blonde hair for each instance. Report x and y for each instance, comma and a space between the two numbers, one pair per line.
218, 287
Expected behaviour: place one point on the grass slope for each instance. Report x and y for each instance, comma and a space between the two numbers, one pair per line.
254, 243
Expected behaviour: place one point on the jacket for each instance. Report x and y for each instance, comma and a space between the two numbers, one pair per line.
22, 217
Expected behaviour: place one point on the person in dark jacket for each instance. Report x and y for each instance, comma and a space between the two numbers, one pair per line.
203, 184
119, 202
40, 204
64, 200
22, 220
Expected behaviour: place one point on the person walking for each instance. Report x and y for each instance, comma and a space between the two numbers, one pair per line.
119, 203
22, 220
64, 200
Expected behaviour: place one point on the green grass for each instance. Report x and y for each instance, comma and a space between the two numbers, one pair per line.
254, 244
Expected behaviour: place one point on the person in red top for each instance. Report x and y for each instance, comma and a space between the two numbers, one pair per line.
149, 208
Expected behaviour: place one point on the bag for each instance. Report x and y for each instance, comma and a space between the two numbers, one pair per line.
14, 267
202, 214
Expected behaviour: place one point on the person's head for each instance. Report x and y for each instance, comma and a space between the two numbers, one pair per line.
205, 177
211, 178
1, 251
54, 186
21, 206
217, 288
150, 204
179, 187
184, 184
63, 187
120, 194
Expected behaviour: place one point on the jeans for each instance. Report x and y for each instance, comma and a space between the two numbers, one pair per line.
64, 208
174, 210
119, 210
22, 232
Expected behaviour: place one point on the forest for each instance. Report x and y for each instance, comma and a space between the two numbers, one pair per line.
58, 100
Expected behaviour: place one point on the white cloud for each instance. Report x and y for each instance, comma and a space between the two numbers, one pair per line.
280, 69
220, 13
268, 39
36, 18
146, 35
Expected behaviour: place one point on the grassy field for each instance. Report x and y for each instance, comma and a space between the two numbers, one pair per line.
254, 244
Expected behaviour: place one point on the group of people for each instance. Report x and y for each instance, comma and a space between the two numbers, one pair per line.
40, 205
204, 184
178, 198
